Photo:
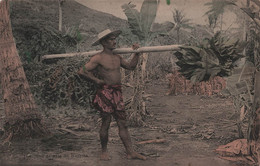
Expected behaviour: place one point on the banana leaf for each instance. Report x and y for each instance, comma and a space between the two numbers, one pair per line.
148, 13
134, 20
141, 22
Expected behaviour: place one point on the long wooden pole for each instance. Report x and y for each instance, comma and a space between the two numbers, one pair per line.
117, 51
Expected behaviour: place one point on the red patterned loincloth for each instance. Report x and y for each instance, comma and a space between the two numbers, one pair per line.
109, 99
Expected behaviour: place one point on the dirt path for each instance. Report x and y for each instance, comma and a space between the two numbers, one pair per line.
193, 126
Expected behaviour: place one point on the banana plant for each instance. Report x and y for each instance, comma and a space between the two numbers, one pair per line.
141, 22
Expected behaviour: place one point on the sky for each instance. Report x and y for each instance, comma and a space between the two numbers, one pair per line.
193, 9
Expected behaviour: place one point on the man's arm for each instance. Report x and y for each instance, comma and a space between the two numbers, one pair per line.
85, 71
133, 62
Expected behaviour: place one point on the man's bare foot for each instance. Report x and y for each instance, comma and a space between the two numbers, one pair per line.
135, 155
105, 156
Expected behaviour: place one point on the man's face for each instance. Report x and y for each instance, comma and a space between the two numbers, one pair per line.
110, 42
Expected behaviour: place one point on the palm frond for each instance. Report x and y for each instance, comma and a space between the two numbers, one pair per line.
148, 13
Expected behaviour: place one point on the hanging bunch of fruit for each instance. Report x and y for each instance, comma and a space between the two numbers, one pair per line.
214, 57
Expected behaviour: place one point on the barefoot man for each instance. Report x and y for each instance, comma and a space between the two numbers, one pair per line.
108, 99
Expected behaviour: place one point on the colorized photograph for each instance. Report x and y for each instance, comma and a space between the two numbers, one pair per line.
129, 82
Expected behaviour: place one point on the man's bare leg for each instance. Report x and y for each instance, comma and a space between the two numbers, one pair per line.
125, 137
106, 119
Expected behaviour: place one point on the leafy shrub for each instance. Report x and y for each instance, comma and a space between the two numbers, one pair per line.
59, 84
33, 41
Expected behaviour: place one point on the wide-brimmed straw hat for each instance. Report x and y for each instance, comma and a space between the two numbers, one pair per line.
104, 34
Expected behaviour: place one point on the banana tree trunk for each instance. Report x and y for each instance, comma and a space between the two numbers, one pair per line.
178, 36
143, 67
254, 122
137, 106
22, 118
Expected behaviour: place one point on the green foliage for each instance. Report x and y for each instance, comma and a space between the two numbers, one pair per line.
179, 19
148, 14
215, 57
180, 22
65, 87
58, 84
74, 32
84, 68
168, 2
140, 23
242, 90
28, 57
126, 38
253, 37
251, 12
134, 20
217, 8
33, 41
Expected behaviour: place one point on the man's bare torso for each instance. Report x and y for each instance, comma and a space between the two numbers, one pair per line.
109, 68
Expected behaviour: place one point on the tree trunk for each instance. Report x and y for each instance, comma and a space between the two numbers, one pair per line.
144, 63
254, 122
178, 36
22, 118
60, 14
254, 119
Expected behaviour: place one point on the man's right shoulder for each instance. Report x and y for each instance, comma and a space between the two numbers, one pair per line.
96, 57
